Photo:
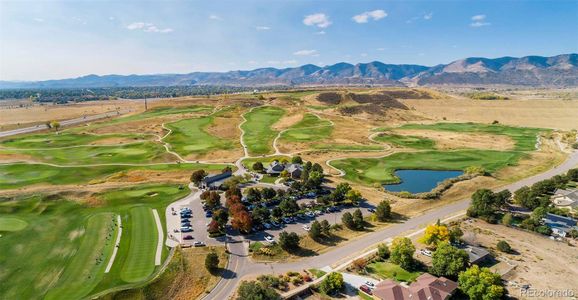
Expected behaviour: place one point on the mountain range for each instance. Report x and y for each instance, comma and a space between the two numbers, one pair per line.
555, 71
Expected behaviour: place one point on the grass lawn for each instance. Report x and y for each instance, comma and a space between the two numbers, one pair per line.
64, 139
310, 128
18, 175
141, 254
12, 224
317, 273
64, 250
380, 170
524, 138
406, 141
364, 296
144, 152
344, 147
189, 136
389, 270
259, 135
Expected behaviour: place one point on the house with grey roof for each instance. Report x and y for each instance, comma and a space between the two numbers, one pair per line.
566, 199
215, 181
275, 168
560, 225
477, 255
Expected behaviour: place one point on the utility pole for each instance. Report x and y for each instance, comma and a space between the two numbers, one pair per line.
146, 107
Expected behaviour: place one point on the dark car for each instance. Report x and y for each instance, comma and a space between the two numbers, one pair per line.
365, 289
209, 214
188, 237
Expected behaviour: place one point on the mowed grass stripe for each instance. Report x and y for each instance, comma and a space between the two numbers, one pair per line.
189, 136
310, 128
86, 268
12, 224
259, 135
140, 262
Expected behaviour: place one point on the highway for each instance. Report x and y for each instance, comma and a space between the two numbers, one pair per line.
62, 123
240, 265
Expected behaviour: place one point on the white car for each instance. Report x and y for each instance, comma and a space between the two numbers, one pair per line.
370, 284
306, 227
269, 239
425, 252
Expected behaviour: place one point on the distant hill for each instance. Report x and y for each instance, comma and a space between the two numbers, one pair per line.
560, 70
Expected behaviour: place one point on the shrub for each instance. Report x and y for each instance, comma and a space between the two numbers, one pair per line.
504, 246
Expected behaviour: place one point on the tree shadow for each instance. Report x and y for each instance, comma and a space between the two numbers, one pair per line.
303, 252
331, 240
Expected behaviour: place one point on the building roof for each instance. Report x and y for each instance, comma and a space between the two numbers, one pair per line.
558, 221
566, 197
476, 254
294, 167
275, 167
426, 287
217, 178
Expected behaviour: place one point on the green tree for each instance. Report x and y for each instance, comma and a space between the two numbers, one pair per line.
347, 220
296, 160
354, 196
198, 176
261, 214
221, 216
55, 125
332, 283
526, 198
456, 234
481, 284
383, 251
289, 241
258, 167
315, 230
504, 246
325, 227
212, 261
448, 260
486, 203
402, 250
358, 222
507, 219
572, 174
340, 191
383, 211
252, 290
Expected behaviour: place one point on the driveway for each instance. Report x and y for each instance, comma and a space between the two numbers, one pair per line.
356, 281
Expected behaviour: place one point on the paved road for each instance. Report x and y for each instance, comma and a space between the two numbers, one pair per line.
241, 266
63, 123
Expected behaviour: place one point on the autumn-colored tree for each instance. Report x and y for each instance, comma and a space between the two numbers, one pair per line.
242, 221
213, 227
435, 234
359, 264
232, 200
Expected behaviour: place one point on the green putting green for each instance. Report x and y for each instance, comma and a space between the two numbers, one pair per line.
189, 136
140, 263
407, 141
345, 147
12, 224
64, 139
259, 135
86, 268
310, 128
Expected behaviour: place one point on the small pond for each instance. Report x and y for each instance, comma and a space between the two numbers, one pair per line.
420, 181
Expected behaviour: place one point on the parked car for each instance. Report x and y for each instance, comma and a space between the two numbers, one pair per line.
365, 289
371, 210
275, 224
425, 252
269, 239
199, 244
188, 237
186, 229
267, 226
306, 227
310, 214
370, 284
209, 214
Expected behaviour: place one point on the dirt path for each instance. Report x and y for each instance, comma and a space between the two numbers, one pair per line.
116, 245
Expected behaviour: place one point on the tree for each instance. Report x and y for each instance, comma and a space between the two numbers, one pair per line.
572, 174
276, 212
358, 219
55, 125
347, 220
402, 250
221, 216
212, 261
227, 169
198, 176
258, 166
340, 191
261, 214
332, 283
383, 251
354, 196
504, 246
296, 160
383, 211
435, 234
253, 195
252, 290
325, 227
213, 199
315, 230
526, 198
213, 227
486, 203
289, 206
242, 221
481, 284
268, 193
507, 219
455, 234
539, 213
289, 241
284, 174
359, 264
448, 260
233, 191
317, 168
544, 187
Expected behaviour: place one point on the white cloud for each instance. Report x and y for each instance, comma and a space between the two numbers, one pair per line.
306, 53
319, 19
322, 32
428, 16
364, 17
261, 28
215, 17
479, 21
148, 27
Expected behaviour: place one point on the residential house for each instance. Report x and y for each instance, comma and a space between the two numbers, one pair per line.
567, 199
294, 170
426, 287
216, 181
477, 255
560, 225
275, 168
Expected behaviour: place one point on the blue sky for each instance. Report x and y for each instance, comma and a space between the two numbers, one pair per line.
59, 39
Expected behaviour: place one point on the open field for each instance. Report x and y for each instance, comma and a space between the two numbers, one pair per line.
310, 128
140, 262
407, 141
538, 261
259, 135
12, 224
555, 114
76, 241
